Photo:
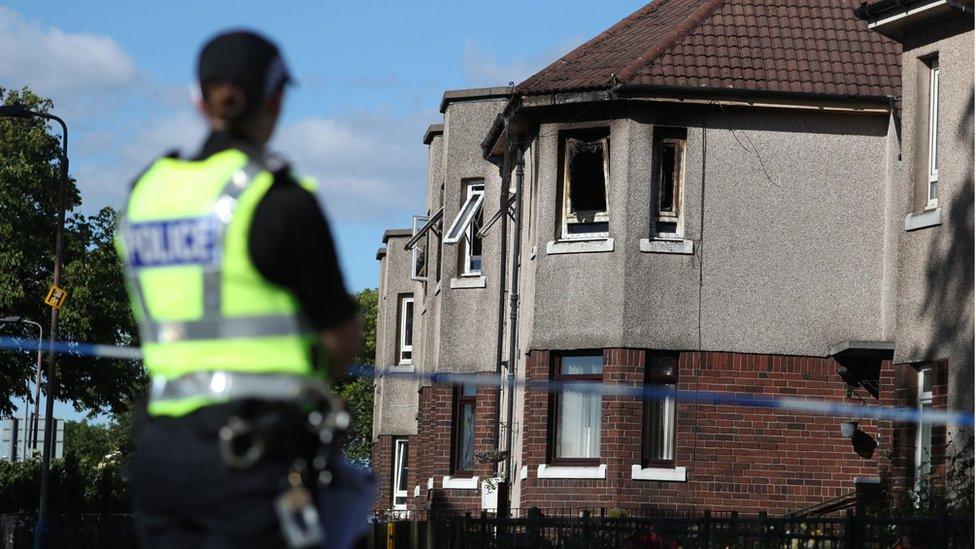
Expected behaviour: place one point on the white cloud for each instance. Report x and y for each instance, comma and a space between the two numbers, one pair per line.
370, 167
54, 62
482, 69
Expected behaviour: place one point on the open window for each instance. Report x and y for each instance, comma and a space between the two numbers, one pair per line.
405, 330
468, 213
465, 399
585, 182
932, 193
661, 371
668, 186
470, 255
400, 476
418, 253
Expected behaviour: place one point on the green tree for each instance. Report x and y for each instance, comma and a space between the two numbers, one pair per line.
357, 389
97, 309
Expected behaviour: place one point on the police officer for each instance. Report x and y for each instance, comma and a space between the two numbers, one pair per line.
243, 317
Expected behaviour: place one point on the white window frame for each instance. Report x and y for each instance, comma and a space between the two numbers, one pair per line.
401, 451
471, 234
924, 401
419, 221
404, 348
567, 209
932, 188
462, 222
677, 217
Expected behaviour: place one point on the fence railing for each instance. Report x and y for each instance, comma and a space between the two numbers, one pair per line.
108, 531
537, 529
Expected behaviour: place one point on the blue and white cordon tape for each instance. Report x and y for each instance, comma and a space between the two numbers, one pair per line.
647, 392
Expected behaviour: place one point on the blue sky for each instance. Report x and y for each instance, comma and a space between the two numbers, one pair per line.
371, 76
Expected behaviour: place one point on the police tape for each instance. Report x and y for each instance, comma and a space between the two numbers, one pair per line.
647, 392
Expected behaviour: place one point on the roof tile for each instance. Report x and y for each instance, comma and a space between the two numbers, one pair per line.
817, 46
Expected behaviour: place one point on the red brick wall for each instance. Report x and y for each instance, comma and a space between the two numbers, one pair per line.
737, 458
382, 454
434, 447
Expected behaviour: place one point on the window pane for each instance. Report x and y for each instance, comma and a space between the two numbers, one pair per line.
923, 459
581, 364
659, 428
660, 366
469, 390
466, 438
587, 181
926, 376
403, 465
668, 165
578, 429
408, 323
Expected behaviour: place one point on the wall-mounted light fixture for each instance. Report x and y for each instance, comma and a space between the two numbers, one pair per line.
848, 428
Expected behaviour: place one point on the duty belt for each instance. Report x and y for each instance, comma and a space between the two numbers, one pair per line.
225, 386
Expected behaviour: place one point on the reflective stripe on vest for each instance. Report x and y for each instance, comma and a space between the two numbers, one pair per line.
200, 302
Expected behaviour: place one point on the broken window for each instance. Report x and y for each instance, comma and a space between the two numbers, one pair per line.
661, 372
586, 173
471, 243
669, 152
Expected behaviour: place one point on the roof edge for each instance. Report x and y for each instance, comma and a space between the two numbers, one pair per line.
432, 130
396, 233
703, 92
682, 30
472, 94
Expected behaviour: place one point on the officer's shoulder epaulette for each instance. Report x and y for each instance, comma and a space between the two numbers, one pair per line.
278, 166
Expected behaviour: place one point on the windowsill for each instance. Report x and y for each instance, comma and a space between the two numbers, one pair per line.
675, 474
930, 218
465, 483
667, 246
569, 471
468, 281
579, 246
403, 368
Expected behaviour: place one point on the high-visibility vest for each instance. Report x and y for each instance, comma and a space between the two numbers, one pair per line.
201, 304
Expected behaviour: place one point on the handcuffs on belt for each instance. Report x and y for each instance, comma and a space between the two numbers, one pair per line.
243, 443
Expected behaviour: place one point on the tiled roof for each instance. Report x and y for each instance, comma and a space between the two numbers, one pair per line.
804, 46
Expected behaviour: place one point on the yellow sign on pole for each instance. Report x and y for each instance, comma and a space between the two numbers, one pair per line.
56, 296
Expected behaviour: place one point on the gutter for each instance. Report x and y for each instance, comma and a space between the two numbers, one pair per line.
698, 92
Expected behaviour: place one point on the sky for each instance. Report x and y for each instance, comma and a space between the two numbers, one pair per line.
370, 79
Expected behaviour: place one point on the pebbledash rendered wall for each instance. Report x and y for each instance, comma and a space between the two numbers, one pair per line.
797, 255
935, 269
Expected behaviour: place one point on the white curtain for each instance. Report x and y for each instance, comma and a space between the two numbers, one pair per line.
578, 429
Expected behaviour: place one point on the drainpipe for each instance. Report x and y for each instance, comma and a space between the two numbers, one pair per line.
959, 7
506, 173
513, 310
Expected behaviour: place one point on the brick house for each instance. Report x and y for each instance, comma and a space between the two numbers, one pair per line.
704, 197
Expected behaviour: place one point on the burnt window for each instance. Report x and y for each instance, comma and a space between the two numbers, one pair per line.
465, 398
577, 411
661, 371
585, 178
669, 161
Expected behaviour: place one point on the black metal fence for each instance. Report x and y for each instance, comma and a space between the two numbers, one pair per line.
70, 531
546, 530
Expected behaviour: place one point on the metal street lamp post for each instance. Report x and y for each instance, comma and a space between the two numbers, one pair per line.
31, 439
20, 111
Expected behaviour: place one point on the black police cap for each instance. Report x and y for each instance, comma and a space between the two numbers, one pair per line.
246, 59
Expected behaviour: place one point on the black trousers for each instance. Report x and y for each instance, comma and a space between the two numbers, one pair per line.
186, 496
